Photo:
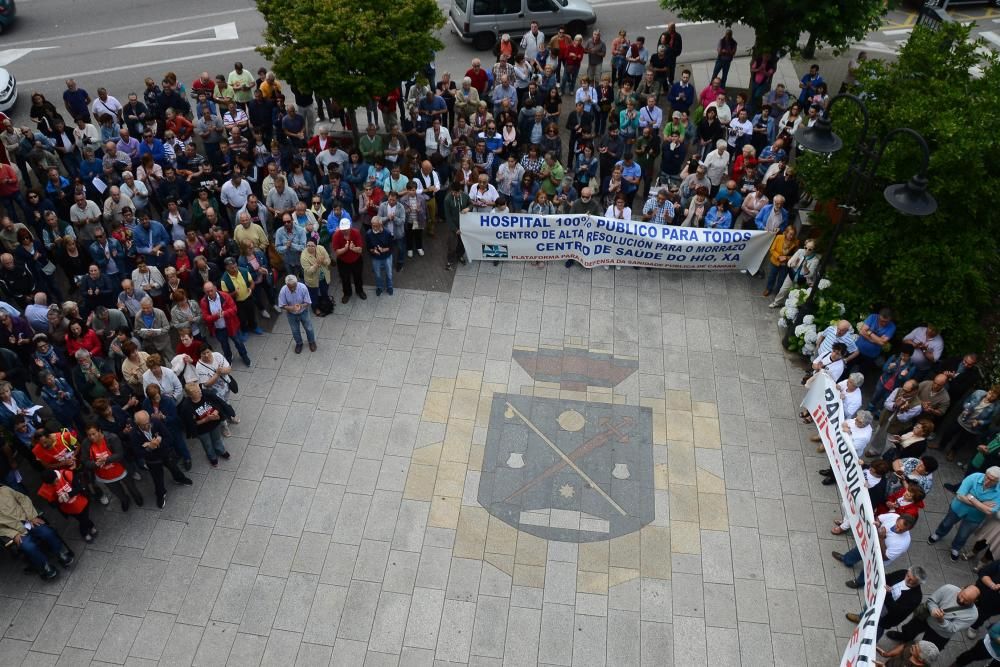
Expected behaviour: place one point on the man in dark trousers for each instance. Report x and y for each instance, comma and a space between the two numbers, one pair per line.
348, 248
151, 439
902, 596
455, 204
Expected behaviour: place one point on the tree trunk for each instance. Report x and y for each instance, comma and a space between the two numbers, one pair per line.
809, 50
352, 114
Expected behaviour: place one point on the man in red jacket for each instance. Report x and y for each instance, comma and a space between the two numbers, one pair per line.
347, 246
480, 80
218, 310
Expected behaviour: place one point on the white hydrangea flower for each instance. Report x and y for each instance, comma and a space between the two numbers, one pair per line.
791, 313
840, 308
808, 349
809, 319
823, 283
801, 329
811, 337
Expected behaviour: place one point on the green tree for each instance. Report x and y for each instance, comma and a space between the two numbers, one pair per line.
349, 50
941, 268
779, 23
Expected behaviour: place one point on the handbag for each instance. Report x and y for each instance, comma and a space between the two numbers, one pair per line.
49, 268
230, 381
274, 258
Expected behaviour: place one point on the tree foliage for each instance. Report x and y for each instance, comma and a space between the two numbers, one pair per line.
349, 50
779, 23
940, 268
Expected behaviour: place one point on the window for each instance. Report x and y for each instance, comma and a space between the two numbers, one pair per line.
483, 7
462, 5
509, 7
539, 6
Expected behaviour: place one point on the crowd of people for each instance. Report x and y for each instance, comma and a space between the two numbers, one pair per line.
145, 240
921, 401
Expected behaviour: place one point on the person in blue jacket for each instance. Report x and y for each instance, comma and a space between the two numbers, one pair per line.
719, 216
768, 218
682, 94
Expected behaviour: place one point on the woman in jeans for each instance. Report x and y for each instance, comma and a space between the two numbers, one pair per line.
203, 414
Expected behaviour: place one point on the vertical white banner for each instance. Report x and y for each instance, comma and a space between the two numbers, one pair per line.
827, 410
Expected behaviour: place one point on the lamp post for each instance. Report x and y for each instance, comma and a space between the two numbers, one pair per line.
909, 198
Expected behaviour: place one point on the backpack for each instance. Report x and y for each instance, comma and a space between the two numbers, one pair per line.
324, 305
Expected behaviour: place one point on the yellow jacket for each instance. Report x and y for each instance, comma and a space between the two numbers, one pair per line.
779, 247
315, 266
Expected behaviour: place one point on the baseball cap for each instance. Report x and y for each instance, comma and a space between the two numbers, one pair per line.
344, 225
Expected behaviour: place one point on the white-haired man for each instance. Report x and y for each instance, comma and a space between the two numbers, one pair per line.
294, 299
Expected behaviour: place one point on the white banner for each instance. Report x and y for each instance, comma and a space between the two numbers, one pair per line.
595, 241
824, 404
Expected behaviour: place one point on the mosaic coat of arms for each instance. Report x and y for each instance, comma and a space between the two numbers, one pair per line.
569, 470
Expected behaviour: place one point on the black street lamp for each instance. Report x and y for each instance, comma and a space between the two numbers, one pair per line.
909, 198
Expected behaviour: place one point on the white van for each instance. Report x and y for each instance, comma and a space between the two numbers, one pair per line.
481, 22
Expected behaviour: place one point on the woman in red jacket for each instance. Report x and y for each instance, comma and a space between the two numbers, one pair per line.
82, 337
908, 500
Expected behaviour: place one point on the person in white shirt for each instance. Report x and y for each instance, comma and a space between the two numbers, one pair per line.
740, 131
331, 155
533, 42
722, 109
717, 164
86, 135
163, 377
483, 195
928, 346
850, 394
860, 430
586, 94
211, 369
894, 540
651, 115
437, 139
235, 192
106, 105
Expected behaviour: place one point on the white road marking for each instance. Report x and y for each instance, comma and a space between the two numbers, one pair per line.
220, 33
10, 55
153, 63
134, 26
900, 31
991, 37
679, 25
877, 47
620, 3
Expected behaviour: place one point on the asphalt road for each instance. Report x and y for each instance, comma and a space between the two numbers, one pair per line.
54, 39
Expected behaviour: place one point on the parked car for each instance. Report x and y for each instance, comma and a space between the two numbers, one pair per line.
481, 22
8, 90
7, 11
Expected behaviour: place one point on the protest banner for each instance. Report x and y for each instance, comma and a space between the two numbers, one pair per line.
827, 410
598, 241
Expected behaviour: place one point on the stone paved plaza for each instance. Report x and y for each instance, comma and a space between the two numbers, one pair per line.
347, 528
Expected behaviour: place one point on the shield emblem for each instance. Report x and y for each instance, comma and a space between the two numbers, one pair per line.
582, 472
